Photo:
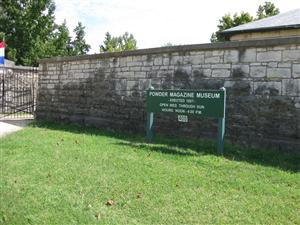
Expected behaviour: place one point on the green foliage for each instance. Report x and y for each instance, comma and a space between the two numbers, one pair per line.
79, 45
266, 10
27, 25
2, 36
227, 21
116, 44
62, 40
168, 44
31, 33
59, 174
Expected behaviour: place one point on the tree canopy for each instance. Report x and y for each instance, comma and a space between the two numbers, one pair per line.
228, 21
62, 40
117, 44
27, 25
31, 32
266, 10
79, 45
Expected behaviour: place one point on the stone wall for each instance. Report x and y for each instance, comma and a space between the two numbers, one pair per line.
108, 90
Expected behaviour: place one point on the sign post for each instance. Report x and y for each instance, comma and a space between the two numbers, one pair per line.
221, 127
150, 116
188, 103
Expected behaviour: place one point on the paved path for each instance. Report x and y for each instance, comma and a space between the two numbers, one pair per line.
12, 125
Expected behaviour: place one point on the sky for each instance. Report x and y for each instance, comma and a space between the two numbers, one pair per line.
154, 23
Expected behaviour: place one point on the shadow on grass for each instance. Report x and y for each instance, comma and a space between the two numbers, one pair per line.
187, 147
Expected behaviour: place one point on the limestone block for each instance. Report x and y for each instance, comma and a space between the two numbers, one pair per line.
272, 64
137, 58
127, 74
208, 54
166, 61
240, 70
176, 60
257, 71
284, 65
87, 66
197, 53
81, 66
129, 58
278, 72
261, 49
51, 68
93, 65
144, 84
50, 86
134, 63
297, 102
148, 62
201, 73
290, 55
231, 56
152, 74
220, 73
296, 70
249, 55
221, 66
186, 59
269, 56
291, 87
135, 68
140, 74
197, 59
279, 48
206, 66
217, 53
75, 67
259, 64
142, 58
54, 77
186, 69
124, 69
158, 61
123, 62
120, 84
239, 87
146, 68
267, 88
132, 85
213, 59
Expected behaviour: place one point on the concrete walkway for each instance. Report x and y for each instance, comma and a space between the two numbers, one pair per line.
8, 126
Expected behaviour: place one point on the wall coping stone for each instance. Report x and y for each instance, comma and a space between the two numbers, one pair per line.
181, 48
19, 67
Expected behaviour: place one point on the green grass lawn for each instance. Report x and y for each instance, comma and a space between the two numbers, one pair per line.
59, 174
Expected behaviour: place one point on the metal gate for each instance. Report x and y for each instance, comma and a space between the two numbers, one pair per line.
18, 87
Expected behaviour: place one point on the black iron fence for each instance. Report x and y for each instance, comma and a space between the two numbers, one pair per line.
18, 87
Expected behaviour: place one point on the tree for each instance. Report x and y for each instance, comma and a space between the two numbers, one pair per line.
62, 40
128, 42
28, 27
2, 36
266, 10
168, 44
110, 44
226, 22
117, 44
79, 45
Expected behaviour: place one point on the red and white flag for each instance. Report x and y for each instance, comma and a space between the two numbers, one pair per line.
2, 48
